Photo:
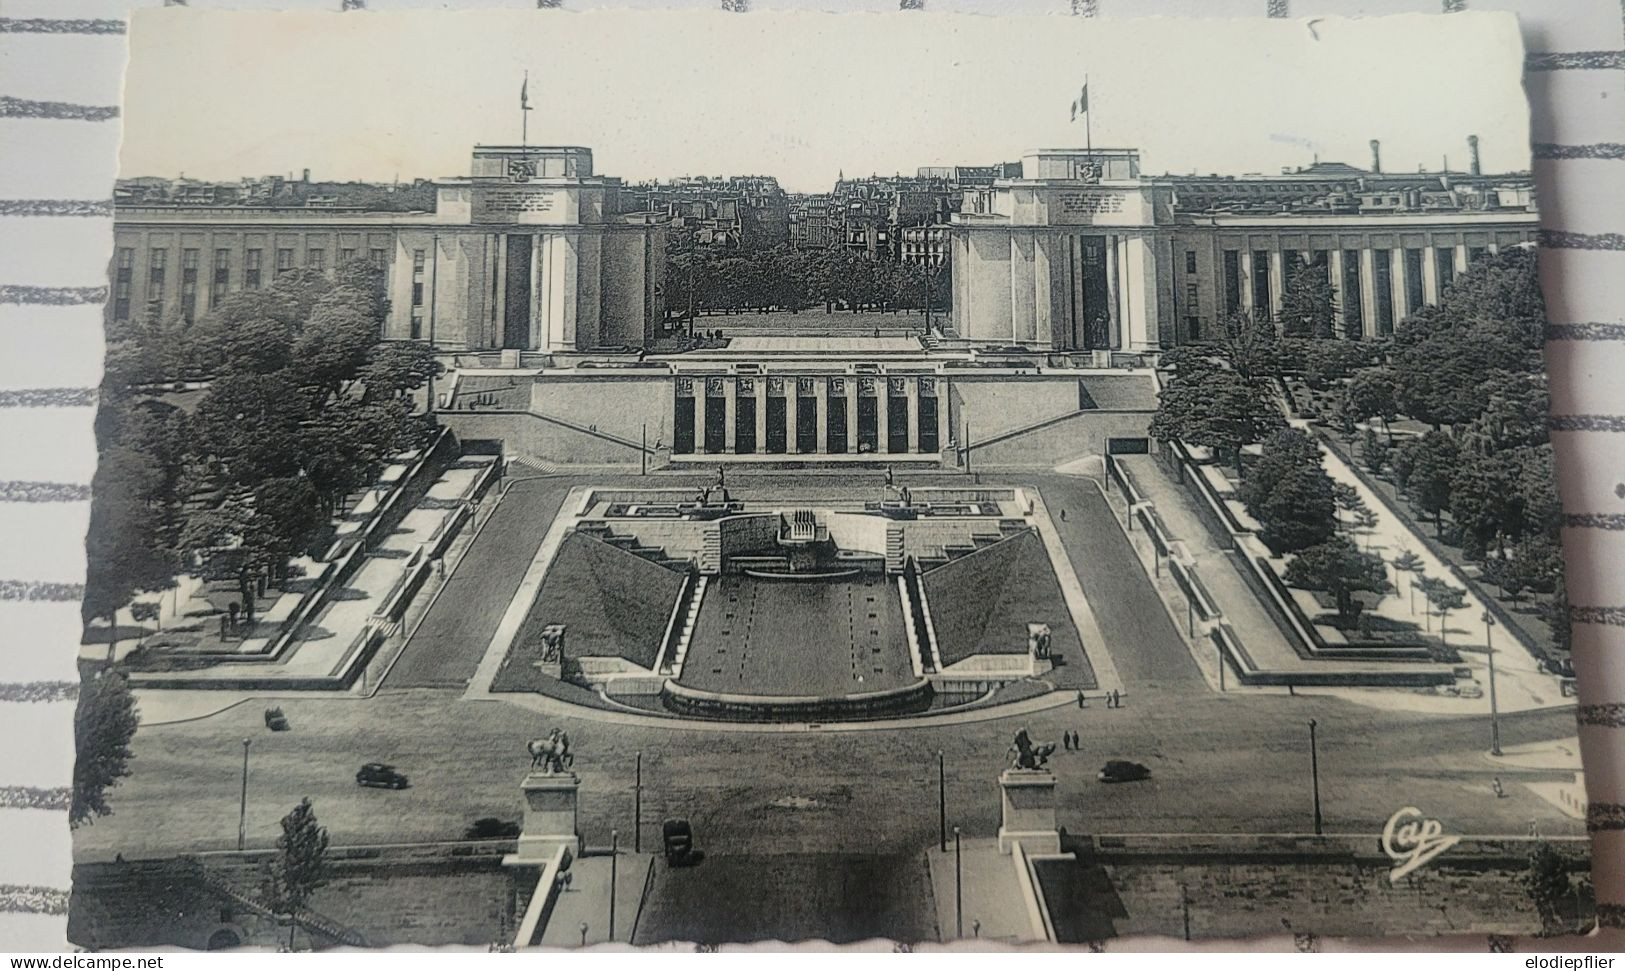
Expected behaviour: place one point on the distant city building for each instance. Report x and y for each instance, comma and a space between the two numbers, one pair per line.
811, 226
734, 213
924, 244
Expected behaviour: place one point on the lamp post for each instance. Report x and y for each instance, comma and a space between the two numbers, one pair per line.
1495, 713
637, 806
1314, 773
614, 857
959, 890
242, 810
942, 802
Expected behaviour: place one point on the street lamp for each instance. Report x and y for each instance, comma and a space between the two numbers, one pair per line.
1495, 714
614, 857
242, 811
942, 802
959, 890
1314, 773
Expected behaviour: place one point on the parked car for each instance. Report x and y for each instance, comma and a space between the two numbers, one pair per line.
678, 838
1118, 770
377, 775
275, 720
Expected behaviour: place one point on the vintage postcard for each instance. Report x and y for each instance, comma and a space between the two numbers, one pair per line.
575, 478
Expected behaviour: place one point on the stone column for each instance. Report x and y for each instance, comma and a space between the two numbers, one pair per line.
944, 429
699, 415
730, 402
882, 414
1461, 258
1401, 289
821, 392
1028, 804
852, 415
1277, 281
1114, 287
1430, 275
761, 415
1246, 274
1368, 292
790, 409
911, 386
1334, 271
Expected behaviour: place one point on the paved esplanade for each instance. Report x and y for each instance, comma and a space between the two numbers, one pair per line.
1221, 763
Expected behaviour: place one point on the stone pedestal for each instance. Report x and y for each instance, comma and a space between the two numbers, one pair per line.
550, 818
1028, 803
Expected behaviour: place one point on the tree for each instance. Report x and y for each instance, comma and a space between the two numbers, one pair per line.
1484, 500
250, 537
1285, 450
1215, 408
1409, 562
1338, 568
1249, 345
126, 549
335, 342
1370, 394
1308, 303
103, 725
396, 368
1426, 467
1373, 451
300, 867
249, 426
1444, 599
1547, 881
1299, 512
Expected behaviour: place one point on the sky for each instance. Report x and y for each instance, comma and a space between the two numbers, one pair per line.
378, 96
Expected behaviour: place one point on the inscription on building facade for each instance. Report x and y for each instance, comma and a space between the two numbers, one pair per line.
500, 202
1090, 203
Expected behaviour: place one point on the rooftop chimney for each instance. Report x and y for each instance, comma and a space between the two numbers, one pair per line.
1376, 155
1472, 152
307, 175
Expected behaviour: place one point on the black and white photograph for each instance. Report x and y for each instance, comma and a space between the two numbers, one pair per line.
689, 479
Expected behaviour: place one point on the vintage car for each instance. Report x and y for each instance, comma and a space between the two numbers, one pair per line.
275, 720
678, 838
377, 775
1118, 770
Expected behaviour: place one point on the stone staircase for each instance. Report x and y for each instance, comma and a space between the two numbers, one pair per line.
312, 922
673, 666
894, 549
654, 554
979, 537
711, 551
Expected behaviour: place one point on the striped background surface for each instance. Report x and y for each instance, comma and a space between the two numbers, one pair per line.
60, 68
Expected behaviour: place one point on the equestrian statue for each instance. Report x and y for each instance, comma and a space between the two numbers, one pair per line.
1028, 754
552, 754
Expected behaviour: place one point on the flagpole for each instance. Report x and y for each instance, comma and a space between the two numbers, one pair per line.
1088, 124
524, 117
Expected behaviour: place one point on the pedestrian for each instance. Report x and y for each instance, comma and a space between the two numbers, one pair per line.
1066, 741
1117, 698
1080, 700
1063, 514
